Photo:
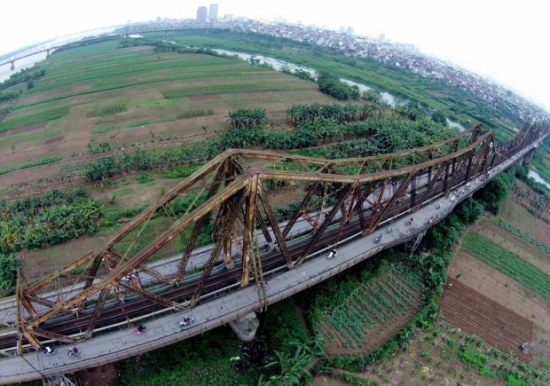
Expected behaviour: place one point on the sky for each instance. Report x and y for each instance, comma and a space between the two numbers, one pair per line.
504, 40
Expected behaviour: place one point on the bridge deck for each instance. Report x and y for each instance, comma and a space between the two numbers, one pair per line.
164, 331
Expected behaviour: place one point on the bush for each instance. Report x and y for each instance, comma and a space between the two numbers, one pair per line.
8, 273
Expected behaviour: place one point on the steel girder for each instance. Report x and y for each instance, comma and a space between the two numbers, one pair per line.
338, 195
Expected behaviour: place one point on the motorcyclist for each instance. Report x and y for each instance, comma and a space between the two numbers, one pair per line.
139, 329
187, 320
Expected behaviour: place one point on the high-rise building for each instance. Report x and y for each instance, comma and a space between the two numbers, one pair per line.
213, 12
202, 13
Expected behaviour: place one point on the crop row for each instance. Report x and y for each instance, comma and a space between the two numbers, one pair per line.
372, 304
521, 234
508, 263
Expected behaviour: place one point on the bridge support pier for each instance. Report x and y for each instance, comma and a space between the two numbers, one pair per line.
246, 326
413, 244
528, 157
58, 380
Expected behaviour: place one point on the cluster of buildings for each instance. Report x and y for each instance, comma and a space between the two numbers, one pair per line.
203, 16
392, 54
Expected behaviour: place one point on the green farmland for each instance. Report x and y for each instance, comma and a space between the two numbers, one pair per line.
131, 96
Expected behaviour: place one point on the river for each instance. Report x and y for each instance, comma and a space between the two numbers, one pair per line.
279, 65
534, 175
6, 72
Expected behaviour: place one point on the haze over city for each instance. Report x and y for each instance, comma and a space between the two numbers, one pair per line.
503, 41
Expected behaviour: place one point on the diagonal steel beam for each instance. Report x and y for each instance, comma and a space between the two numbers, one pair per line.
328, 219
226, 233
248, 230
97, 311
281, 242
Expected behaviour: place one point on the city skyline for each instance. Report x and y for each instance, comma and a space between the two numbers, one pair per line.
503, 41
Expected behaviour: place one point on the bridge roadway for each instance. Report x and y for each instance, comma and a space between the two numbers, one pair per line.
163, 331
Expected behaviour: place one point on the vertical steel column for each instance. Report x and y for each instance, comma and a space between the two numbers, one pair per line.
249, 229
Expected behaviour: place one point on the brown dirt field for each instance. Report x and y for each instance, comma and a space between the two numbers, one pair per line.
106, 375
54, 139
41, 262
516, 214
284, 195
326, 380
499, 288
479, 315
541, 350
432, 358
37, 96
514, 244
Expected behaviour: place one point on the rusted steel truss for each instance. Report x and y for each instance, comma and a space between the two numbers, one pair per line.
236, 206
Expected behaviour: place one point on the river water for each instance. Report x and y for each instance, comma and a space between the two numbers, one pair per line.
455, 125
6, 72
279, 65
534, 175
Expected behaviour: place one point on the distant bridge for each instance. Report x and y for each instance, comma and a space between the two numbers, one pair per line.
90, 40
359, 206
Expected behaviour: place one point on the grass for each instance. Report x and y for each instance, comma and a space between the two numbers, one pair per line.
32, 136
508, 263
457, 104
451, 355
29, 118
521, 234
234, 88
192, 113
42, 161
105, 90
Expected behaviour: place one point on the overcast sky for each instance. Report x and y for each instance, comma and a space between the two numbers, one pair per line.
504, 40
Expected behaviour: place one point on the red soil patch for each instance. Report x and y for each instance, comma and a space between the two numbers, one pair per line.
479, 315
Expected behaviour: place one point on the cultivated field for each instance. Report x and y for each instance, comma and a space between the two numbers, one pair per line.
500, 278
372, 314
132, 95
479, 315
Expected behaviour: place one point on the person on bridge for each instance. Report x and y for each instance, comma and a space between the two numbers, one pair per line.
187, 320
333, 252
74, 351
139, 329
48, 350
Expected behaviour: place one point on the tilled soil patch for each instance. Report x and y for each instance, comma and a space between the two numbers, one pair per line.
479, 315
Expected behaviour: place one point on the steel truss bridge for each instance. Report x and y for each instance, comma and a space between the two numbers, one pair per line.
231, 200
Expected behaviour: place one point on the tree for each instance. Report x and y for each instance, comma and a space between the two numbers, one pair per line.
439, 117
8, 273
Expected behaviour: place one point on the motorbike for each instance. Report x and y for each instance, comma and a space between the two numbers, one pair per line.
187, 321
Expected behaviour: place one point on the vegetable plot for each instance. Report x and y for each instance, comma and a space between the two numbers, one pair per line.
373, 312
